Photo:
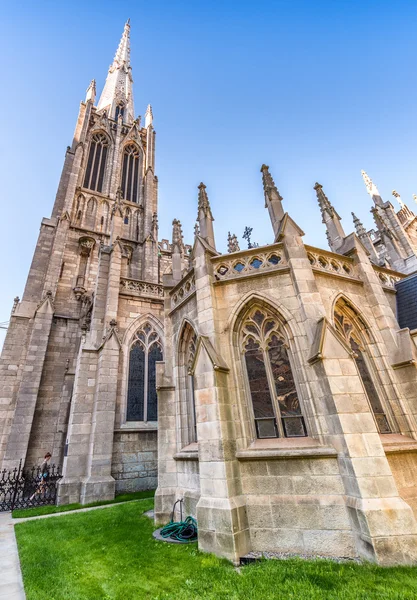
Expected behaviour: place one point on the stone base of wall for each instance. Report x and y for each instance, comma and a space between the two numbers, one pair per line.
135, 461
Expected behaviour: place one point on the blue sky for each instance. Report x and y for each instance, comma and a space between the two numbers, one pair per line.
317, 90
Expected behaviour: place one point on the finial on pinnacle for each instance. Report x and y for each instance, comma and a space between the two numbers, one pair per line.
398, 197
415, 198
232, 243
148, 116
370, 185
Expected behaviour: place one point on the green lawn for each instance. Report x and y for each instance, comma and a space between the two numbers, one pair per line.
110, 554
22, 513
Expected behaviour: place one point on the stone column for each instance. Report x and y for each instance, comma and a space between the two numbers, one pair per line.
27, 395
221, 510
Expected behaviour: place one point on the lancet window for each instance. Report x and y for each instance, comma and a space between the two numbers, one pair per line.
145, 351
187, 353
96, 164
130, 173
120, 110
275, 402
346, 322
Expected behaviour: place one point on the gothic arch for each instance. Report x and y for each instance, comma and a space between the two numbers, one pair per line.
185, 352
127, 342
104, 216
97, 159
78, 209
268, 371
350, 324
131, 161
90, 213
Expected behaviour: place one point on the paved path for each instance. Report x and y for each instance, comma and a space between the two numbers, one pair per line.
11, 583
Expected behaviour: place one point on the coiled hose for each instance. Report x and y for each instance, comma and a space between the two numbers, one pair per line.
182, 531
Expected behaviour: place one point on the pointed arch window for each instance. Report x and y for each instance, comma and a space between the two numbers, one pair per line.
120, 110
145, 351
187, 352
130, 173
96, 164
347, 324
275, 403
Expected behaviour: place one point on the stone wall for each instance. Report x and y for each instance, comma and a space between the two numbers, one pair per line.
135, 461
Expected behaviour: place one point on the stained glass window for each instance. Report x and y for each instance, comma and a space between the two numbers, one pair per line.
275, 403
144, 353
345, 320
96, 163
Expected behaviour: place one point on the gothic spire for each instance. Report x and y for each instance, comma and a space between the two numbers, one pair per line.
117, 95
177, 248
360, 229
334, 229
273, 199
91, 92
365, 238
204, 216
372, 189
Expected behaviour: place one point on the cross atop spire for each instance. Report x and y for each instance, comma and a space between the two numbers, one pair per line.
117, 95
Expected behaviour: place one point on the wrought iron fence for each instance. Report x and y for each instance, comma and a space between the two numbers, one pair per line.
26, 488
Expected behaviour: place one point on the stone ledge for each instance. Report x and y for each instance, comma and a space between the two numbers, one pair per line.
189, 452
398, 444
286, 452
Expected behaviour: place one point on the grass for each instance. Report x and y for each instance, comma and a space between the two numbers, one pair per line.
23, 513
111, 555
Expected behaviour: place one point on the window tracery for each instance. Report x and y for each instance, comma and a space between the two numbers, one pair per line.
96, 163
145, 351
130, 173
346, 323
275, 402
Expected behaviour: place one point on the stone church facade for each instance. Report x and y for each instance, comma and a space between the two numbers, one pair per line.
93, 292
272, 388
288, 390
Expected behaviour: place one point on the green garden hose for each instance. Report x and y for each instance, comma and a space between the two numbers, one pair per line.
180, 531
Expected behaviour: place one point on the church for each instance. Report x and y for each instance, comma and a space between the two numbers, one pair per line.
273, 388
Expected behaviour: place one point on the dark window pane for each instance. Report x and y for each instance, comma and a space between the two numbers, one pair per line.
274, 259
283, 378
258, 383
89, 164
135, 180
135, 400
369, 386
154, 355
102, 167
266, 428
258, 317
95, 167
129, 178
294, 427
124, 172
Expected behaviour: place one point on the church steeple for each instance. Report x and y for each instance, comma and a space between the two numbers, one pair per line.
117, 95
335, 232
